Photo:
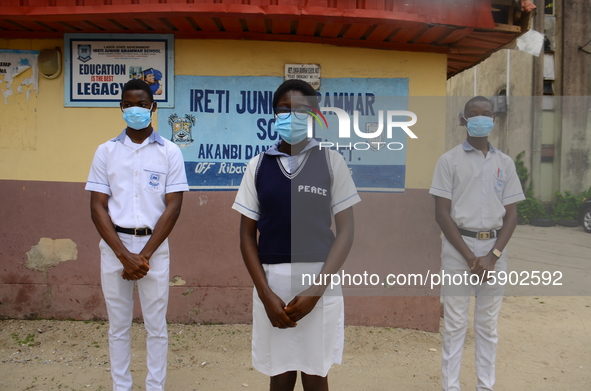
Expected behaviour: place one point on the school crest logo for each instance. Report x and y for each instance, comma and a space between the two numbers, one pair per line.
154, 180
182, 129
375, 143
84, 53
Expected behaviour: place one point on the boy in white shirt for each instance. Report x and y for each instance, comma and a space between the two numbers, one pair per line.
476, 189
137, 182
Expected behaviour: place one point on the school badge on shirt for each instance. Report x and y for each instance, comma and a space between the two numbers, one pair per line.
499, 181
181, 129
154, 181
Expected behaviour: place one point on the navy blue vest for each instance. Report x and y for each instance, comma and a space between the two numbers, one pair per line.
295, 209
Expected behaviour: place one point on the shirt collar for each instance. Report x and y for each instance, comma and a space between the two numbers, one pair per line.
467, 147
154, 137
274, 149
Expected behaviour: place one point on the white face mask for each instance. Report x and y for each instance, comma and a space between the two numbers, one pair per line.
291, 129
137, 117
479, 126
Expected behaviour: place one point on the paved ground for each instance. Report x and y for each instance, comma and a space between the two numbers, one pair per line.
563, 253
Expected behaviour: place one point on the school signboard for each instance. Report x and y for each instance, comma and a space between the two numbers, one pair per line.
97, 66
221, 123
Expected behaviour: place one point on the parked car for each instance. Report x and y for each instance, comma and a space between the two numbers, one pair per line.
586, 214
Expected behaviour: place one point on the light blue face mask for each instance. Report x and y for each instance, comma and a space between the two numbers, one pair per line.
479, 126
137, 117
291, 129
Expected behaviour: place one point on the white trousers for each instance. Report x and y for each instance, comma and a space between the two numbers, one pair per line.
153, 292
456, 302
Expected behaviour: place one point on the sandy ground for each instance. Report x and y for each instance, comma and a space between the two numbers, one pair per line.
545, 342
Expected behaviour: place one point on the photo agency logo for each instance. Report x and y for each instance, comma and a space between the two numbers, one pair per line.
373, 136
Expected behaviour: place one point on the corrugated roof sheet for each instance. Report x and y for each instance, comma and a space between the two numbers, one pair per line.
467, 30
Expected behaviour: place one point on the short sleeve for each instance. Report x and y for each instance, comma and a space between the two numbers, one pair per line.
247, 200
442, 184
512, 191
176, 180
343, 192
97, 178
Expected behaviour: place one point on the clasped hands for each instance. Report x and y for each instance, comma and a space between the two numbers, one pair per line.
481, 266
135, 266
286, 316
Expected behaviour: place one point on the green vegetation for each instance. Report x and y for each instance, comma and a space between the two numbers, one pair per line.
29, 339
531, 207
566, 206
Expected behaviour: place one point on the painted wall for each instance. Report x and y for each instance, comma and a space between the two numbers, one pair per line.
46, 151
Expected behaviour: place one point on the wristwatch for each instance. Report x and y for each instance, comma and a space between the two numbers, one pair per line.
496, 252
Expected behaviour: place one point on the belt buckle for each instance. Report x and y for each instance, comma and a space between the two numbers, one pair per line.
135, 231
483, 235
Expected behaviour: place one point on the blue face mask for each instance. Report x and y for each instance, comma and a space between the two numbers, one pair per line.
291, 129
479, 126
137, 117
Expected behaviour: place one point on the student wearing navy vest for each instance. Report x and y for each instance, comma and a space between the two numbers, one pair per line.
289, 194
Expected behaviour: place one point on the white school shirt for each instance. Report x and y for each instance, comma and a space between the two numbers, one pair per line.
479, 188
343, 191
137, 177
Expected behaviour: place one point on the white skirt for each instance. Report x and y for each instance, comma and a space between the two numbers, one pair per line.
315, 343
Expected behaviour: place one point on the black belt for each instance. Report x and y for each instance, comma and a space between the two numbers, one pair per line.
134, 231
480, 234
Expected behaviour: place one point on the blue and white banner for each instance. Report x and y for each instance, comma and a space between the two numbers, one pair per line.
97, 66
221, 123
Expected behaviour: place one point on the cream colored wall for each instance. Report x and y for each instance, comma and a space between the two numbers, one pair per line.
42, 140
61, 140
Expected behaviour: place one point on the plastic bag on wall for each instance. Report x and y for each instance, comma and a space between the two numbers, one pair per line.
531, 42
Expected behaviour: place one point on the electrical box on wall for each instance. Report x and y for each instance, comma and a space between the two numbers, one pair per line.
499, 104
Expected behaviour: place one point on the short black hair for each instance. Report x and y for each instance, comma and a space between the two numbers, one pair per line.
296, 85
478, 98
137, 84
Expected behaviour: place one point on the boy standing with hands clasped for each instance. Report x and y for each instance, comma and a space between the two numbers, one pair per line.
476, 189
137, 182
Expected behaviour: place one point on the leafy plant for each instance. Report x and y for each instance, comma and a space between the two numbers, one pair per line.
585, 194
531, 207
522, 173
566, 206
